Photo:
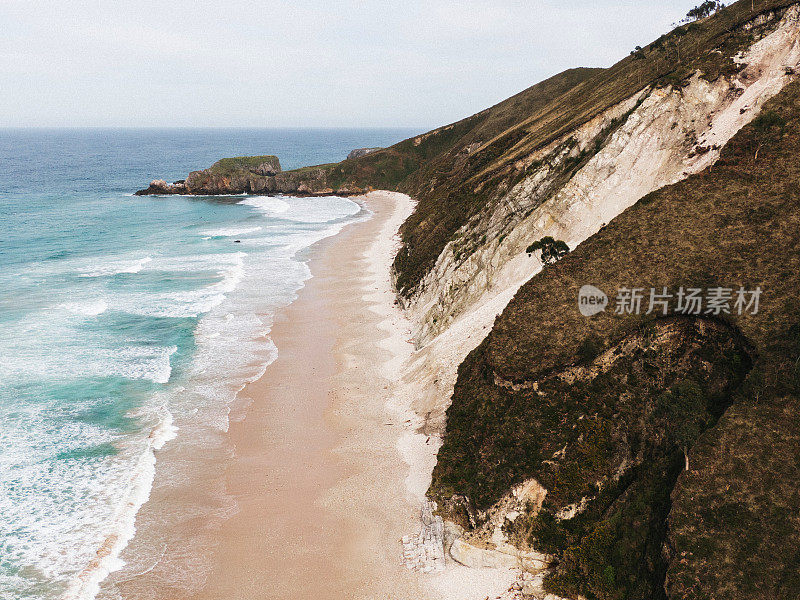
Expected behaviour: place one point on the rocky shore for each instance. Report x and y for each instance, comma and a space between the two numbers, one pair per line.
252, 175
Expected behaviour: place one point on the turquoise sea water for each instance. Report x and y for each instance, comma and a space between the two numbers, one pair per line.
122, 316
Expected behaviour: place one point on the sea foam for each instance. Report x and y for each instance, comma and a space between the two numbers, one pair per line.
138, 362
268, 205
89, 308
117, 267
317, 209
122, 527
231, 231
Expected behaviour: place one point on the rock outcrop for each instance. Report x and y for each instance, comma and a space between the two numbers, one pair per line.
159, 187
424, 552
359, 152
251, 175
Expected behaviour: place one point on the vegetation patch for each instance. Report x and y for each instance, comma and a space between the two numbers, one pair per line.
229, 166
551, 250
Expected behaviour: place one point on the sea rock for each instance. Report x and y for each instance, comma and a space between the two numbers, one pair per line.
160, 187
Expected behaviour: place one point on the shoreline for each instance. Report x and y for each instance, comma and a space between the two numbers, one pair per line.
139, 541
322, 473
307, 497
316, 476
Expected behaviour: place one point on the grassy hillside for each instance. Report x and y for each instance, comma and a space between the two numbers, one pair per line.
603, 408
457, 170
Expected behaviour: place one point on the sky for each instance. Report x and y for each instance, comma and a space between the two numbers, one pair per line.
299, 63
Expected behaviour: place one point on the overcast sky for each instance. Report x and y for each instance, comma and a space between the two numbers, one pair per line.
316, 63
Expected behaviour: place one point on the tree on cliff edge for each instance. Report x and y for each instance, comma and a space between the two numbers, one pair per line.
706, 9
552, 250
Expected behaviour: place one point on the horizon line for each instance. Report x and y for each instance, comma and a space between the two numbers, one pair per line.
214, 127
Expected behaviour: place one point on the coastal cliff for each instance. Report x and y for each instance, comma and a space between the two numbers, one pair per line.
660, 447
560, 449
559, 452
631, 455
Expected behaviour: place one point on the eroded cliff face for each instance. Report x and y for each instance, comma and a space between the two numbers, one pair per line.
579, 183
666, 460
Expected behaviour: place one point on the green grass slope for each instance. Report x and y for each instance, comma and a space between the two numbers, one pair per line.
604, 408
232, 166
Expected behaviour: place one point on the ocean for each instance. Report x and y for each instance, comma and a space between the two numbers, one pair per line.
129, 322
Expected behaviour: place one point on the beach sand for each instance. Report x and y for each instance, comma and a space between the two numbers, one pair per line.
317, 477
307, 499
326, 460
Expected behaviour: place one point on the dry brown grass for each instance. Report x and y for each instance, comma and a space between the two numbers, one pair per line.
734, 519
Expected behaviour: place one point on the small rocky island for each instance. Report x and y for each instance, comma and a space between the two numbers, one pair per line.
258, 175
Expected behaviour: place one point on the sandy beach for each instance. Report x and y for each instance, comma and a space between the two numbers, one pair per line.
327, 457
317, 478
308, 497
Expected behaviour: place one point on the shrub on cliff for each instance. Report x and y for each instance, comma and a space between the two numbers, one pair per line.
682, 408
768, 128
706, 9
552, 250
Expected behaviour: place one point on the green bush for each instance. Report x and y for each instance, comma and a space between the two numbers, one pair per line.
552, 250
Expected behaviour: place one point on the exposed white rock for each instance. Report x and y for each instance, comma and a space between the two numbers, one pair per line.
573, 510
494, 558
670, 134
424, 552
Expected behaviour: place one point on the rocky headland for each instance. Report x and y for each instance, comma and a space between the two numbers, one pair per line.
251, 175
